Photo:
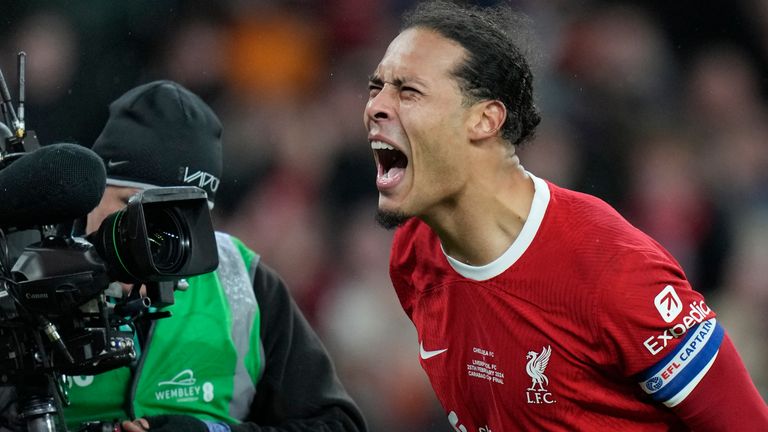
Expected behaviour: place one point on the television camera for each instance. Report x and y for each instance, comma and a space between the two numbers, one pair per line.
63, 311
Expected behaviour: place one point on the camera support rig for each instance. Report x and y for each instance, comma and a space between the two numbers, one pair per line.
55, 316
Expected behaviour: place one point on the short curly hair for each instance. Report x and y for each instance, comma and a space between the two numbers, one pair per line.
495, 67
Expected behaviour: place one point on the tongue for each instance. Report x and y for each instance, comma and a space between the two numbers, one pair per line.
390, 178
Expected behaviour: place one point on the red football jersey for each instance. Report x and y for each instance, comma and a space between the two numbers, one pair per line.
584, 323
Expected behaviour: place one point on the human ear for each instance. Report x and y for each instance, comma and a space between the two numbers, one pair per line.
486, 119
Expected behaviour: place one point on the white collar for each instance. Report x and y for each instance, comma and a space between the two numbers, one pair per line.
518, 247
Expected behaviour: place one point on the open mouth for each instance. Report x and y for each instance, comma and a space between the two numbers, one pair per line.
389, 160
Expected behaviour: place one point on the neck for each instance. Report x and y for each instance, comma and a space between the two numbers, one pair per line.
487, 219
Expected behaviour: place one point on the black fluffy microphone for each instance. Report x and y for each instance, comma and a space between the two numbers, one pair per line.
54, 184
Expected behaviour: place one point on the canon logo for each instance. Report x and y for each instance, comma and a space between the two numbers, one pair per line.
32, 296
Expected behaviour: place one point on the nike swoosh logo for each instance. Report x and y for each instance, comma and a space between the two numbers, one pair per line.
429, 354
112, 164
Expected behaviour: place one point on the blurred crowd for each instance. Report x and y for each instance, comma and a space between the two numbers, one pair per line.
658, 107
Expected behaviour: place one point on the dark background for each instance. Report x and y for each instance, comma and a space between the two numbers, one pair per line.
658, 107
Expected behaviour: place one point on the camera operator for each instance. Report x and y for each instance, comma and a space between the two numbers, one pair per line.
236, 354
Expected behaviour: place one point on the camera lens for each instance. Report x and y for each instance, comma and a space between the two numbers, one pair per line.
168, 242
151, 239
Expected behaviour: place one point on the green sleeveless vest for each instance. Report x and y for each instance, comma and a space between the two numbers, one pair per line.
204, 361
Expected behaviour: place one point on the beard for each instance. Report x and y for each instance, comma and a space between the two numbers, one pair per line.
391, 220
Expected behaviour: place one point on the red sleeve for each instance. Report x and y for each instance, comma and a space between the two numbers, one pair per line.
647, 310
725, 399
662, 332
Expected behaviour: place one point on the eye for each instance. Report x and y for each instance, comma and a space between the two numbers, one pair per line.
409, 92
373, 90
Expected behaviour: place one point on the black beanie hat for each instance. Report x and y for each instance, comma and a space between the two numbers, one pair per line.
161, 134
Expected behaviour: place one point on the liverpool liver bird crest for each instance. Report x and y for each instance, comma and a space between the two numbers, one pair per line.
537, 363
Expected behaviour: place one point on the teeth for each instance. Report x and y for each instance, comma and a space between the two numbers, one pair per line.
378, 145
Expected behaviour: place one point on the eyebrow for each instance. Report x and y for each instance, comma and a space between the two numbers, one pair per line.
397, 82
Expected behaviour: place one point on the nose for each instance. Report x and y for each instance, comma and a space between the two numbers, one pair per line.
380, 106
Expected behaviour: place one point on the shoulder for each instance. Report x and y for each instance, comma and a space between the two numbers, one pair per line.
228, 244
416, 261
410, 229
627, 264
414, 239
414, 233
263, 274
645, 305
583, 223
583, 209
